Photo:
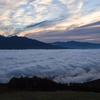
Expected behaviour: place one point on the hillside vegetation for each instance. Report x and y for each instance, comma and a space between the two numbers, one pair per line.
40, 84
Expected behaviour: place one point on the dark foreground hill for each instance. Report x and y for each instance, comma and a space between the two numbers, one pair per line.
40, 84
91, 86
77, 45
93, 83
16, 42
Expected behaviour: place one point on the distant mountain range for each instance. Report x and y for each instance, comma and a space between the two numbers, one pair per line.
77, 45
16, 42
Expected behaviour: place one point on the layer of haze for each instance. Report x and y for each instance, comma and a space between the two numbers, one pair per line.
60, 65
51, 20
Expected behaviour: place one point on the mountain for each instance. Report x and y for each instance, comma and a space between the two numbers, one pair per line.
16, 42
77, 45
95, 83
91, 86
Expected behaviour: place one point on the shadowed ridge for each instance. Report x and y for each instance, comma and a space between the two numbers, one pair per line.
77, 45
93, 83
15, 42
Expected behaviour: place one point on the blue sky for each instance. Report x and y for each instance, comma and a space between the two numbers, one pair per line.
51, 20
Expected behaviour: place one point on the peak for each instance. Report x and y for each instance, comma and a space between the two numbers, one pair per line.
14, 36
2, 36
73, 41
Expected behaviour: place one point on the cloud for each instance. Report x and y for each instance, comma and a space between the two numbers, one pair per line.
37, 24
8, 11
92, 24
18, 13
45, 2
61, 65
73, 6
65, 25
90, 33
47, 16
1, 32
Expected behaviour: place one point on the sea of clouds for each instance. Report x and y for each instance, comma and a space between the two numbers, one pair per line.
62, 66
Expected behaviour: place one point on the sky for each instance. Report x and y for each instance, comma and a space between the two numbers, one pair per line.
51, 20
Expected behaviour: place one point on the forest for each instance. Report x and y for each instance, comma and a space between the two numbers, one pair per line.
44, 84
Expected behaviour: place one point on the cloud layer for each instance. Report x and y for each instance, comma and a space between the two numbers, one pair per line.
49, 16
60, 65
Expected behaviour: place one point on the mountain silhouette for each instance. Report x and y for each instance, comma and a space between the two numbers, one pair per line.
93, 83
77, 45
15, 42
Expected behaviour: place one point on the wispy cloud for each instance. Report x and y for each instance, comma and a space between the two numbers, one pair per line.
40, 24
44, 17
73, 6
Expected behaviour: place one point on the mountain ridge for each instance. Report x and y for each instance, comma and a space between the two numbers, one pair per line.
15, 42
77, 45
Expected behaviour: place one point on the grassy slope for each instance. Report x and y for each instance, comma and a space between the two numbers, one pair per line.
50, 96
